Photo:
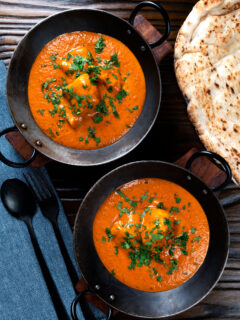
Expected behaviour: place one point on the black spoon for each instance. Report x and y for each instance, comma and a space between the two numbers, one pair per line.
20, 203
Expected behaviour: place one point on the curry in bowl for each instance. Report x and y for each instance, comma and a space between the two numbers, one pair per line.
86, 90
151, 234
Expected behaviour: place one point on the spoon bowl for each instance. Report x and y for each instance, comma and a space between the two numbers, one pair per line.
18, 199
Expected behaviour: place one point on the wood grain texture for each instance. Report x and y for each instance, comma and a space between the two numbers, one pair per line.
151, 34
171, 137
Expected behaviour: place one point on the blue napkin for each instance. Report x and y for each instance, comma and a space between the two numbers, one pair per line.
23, 292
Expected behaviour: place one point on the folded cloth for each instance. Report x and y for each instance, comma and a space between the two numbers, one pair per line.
24, 294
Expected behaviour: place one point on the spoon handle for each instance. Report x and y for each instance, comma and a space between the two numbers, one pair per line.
53, 291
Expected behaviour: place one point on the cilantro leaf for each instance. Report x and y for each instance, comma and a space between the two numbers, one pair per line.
121, 94
100, 44
193, 230
160, 205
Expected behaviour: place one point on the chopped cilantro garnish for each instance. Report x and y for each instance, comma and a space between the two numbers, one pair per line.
51, 132
173, 267
193, 230
127, 75
121, 94
150, 200
41, 111
47, 83
101, 107
197, 238
55, 66
99, 46
110, 89
157, 236
174, 210
109, 235
155, 271
92, 135
119, 206
93, 80
171, 250
167, 223
78, 64
103, 239
177, 199
183, 237
53, 57
184, 251
146, 209
144, 196
98, 118
113, 108
113, 272
114, 60
160, 205
69, 56
97, 140
131, 202
125, 245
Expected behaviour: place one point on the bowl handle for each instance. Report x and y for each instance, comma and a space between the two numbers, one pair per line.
164, 14
12, 163
88, 315
215, 156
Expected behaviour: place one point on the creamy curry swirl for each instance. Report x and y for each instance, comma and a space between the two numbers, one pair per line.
86, 90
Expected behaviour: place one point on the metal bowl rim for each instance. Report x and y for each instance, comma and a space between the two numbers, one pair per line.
26, 135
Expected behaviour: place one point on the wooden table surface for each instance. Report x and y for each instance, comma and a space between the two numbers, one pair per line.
171, 137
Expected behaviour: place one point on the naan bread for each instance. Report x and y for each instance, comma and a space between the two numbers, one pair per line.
207, 66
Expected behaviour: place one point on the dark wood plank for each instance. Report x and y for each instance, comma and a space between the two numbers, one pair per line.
173, 133
22, 146
151, 34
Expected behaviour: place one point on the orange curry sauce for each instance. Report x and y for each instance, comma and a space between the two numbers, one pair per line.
151, 234
86, 90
